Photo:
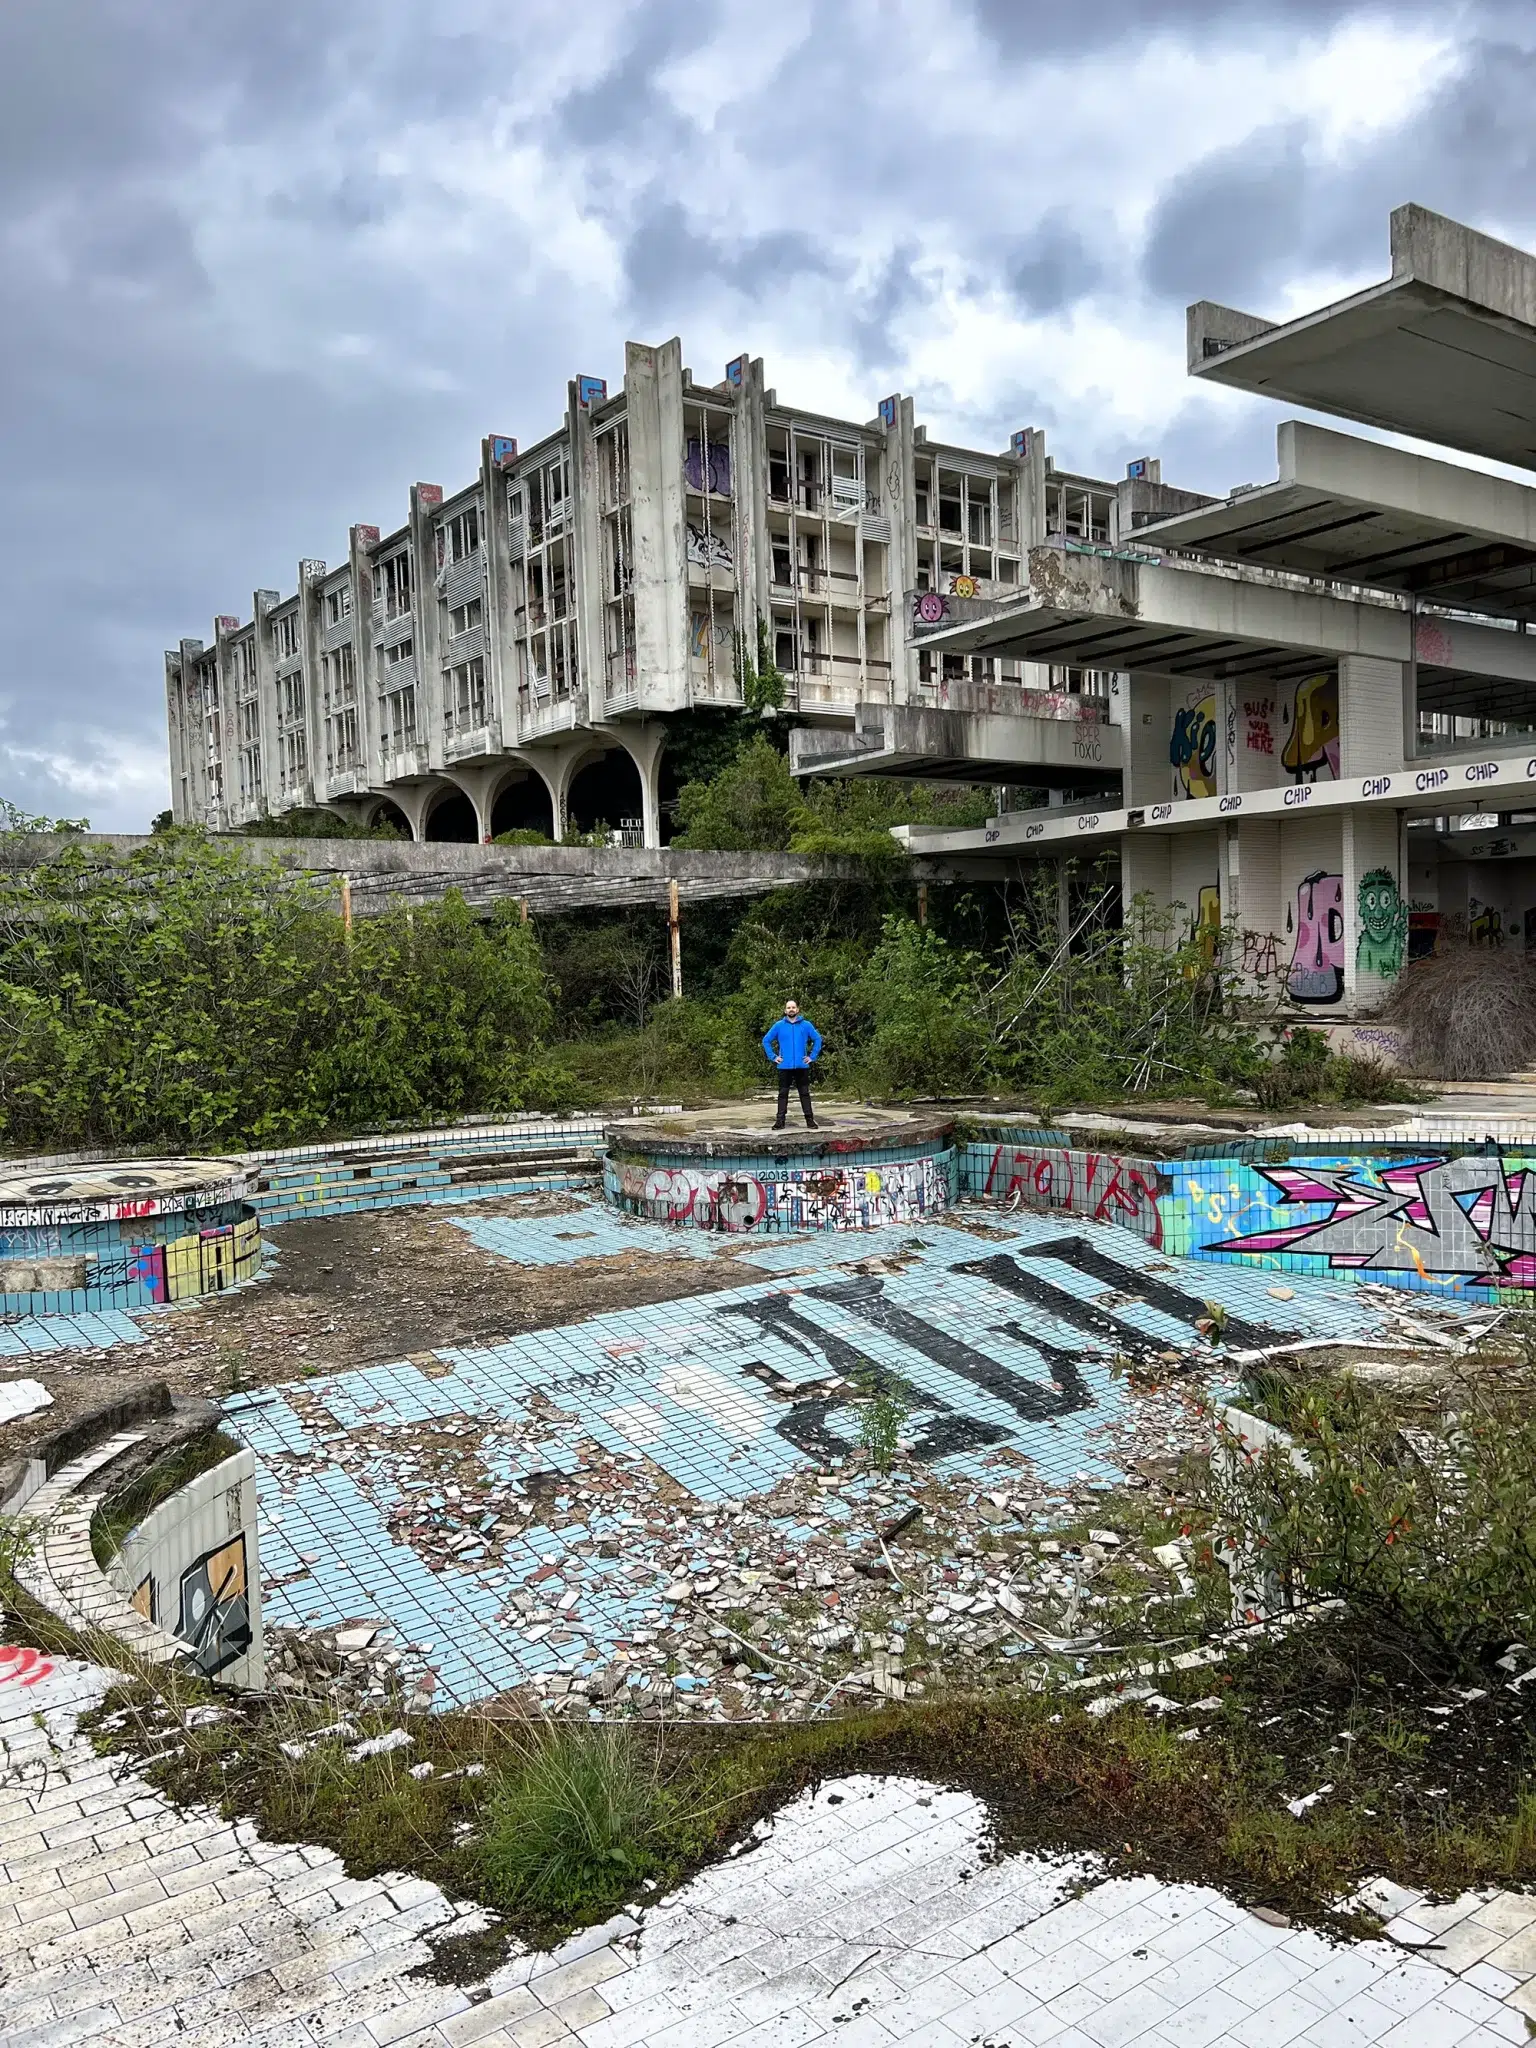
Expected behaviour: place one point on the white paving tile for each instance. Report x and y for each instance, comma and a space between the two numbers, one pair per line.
141, 1924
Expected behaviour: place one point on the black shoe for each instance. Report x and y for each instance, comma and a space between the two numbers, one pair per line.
778, 1127
811, 1124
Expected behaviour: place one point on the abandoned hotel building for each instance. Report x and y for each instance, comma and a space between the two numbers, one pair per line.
1306, 711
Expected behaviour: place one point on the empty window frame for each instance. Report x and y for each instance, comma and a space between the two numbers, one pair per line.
285, 636
402, 650
464, 696
458, 537
338, 605
343, 750
290, 700
463, 618
338, 677
392, 585
398, 721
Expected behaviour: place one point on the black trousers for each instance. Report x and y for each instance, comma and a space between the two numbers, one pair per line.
801, 1079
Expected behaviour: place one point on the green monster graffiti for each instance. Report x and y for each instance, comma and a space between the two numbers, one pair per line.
1383, 925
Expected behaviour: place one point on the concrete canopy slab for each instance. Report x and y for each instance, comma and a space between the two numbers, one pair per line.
1131, 609
1360, 512
939, 745
1444, 350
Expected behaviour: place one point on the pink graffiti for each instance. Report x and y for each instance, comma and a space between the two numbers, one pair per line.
19, 1666
1097, 1184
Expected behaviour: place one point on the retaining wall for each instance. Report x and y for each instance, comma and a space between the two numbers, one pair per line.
766, 1192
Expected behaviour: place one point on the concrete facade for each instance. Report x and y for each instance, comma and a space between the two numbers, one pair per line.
510, 655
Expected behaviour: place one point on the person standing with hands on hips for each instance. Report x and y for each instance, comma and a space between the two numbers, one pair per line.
792, 1044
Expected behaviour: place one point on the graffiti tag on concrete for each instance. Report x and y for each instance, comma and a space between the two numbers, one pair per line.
1097, 1184
1468, 1218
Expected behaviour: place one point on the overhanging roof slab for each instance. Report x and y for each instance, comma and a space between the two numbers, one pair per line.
1444, 350
1360, 512
1131, 613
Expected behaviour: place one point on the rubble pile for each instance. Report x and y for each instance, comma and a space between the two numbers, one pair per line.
354, 1666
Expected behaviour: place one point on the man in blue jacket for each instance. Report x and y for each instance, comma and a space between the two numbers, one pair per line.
792, 1044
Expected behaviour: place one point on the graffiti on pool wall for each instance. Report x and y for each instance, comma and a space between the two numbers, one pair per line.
1097, 1184
837, 1198
1469, 1218
215, 1614
1383, 925
1311, 751
1192, 748
1317, 960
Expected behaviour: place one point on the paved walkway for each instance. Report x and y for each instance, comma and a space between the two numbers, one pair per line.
863, 1915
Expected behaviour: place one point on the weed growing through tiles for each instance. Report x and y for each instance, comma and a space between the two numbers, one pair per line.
882, 1419
576, 1819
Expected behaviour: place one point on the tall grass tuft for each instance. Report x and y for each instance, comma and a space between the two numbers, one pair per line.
576, 1820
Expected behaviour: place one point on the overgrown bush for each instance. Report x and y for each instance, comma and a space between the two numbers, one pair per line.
1468, 1012
1427, 1533
928, 1033
576, 1819
188, 995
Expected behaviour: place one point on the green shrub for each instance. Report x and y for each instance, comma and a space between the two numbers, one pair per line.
1427, 1533
576, 1820
928, 1033
188, 994
753, 805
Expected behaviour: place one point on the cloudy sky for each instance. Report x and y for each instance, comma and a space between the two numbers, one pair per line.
267, 261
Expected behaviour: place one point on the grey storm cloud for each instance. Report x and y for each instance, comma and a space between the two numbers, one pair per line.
668, 262
249, 298
1241, 221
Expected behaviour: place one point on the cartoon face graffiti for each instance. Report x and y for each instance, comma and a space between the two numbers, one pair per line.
1312, 749
1383, 924
1192, 748
1317, 961
215, 1616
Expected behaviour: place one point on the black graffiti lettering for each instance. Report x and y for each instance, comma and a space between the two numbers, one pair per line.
944, 1434
1003, 1270
865, 1297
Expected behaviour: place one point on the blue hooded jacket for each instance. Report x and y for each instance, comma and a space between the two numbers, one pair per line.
794, 1041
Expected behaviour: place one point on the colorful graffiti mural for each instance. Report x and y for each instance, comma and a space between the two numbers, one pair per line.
1192, 748
812, 1198
708, 549
1312, 749
1470, 1218
1383, 924
1316, 973
215, 1614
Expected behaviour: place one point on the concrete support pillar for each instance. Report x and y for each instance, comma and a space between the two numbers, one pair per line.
644, 744
1370, 716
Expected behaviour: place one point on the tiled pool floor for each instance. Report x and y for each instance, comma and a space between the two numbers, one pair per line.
607, 1511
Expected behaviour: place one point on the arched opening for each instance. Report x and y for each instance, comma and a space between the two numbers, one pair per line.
452, 817
607, 792
388, 817
524, 806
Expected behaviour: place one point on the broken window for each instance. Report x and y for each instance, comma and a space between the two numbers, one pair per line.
459, 537
285, 636
338, 605
392, 585
465, 694
463, 618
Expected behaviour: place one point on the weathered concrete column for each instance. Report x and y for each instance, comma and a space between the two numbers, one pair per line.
644, 744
